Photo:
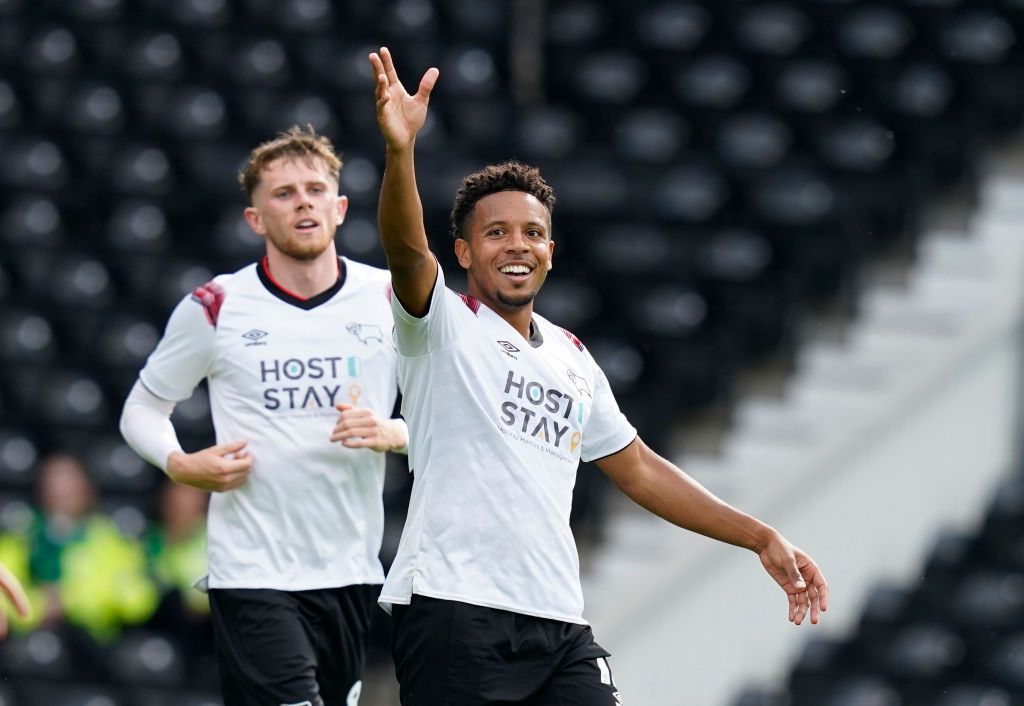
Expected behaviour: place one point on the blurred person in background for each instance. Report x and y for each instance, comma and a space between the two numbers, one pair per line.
80, 572
295, 521
176, 552
502, 406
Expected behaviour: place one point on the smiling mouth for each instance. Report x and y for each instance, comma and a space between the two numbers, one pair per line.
517, 273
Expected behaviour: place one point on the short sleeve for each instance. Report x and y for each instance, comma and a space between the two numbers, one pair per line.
425, 334
185, 354
607, 431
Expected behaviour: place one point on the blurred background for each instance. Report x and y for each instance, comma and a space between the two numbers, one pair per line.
789, 231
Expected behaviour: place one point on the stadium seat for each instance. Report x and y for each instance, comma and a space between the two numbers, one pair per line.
94, 108
753, 141
155, 56
42, 653
677, 26
34, 163
577, 23
653, 135
691, 193
18, 456
26, 336
33, 221
718, 81
137, 225
811, 85
550, 132
142, 170
53, 51
875, 32
12, 112
772, 28
116, 468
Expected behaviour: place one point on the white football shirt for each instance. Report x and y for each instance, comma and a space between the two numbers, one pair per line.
498, 425
310, 514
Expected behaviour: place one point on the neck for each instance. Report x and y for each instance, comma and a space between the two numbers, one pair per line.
518, 318
304, 278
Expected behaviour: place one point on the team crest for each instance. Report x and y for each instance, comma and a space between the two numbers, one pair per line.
365, 332
580, 383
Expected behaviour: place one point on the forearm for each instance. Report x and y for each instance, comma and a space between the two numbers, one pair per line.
146, 426
665, 490
400, 212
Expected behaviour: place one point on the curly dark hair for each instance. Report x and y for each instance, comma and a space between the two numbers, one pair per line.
507, 176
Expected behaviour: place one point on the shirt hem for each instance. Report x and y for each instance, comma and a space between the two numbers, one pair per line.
297, 585
386, 602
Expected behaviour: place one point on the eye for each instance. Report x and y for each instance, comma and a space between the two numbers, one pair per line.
283, 193
317, 189
534, 233
496, 232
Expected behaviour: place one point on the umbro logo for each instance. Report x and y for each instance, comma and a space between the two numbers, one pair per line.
508, 348
255, 337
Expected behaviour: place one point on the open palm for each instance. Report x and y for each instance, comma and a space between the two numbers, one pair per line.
399, 115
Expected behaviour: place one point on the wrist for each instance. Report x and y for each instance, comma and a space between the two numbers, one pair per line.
176, 461
762, 536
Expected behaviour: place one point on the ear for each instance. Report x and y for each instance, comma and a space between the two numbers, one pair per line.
551, 254
462, 253
342, 210
252, 217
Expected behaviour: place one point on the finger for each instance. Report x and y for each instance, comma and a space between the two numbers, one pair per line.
377, 65
792, 606
229, 447
427, 83
14, 591
3, 624
358, 442
818, 582
342, 407
381, 91
239, 465
812, 593
389, 65
801, 607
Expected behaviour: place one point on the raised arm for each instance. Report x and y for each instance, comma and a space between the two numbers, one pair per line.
660, 487
399, 212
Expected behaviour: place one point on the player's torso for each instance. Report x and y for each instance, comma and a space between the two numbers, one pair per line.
281, 365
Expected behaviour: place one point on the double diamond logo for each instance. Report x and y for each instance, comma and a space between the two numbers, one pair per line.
255, 337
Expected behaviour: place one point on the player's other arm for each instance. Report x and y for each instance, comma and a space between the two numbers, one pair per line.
182, 358
665, 490
399, 212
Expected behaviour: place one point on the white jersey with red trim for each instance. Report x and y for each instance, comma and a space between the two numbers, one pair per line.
310, 514
498, 425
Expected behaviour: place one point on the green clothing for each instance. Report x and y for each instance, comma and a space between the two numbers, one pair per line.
179, 564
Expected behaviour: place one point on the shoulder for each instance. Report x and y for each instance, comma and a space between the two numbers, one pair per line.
210, 296
563, 336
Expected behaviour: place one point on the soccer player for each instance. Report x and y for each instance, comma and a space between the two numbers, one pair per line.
501, 406
295, 521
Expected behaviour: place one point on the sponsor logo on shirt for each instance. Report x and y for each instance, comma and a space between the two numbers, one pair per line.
314, 384
509, 349
547, 418
255, 337
365, 332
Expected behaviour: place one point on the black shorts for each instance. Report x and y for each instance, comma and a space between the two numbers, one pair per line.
456, 654
301, 648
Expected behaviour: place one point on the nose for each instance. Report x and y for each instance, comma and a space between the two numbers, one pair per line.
517, 241
304, 201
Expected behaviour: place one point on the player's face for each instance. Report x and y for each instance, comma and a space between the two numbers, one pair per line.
296, 207
507, 249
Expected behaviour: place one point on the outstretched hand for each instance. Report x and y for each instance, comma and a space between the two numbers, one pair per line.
399, 115
798, 575
10, 586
